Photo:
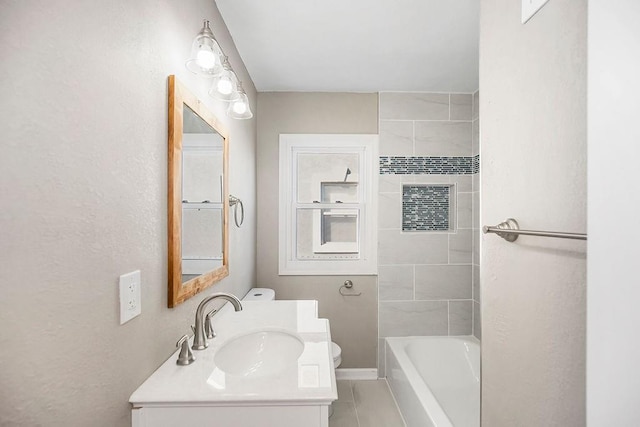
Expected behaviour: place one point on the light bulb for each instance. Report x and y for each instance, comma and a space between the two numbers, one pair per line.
239, 107
225, 86
206, 58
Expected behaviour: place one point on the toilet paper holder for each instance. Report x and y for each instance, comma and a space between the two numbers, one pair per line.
348, 284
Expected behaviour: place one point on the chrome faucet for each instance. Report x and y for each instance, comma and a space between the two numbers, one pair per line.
199, 336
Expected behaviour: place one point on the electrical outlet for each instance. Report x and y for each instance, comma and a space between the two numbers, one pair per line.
530, 7
130, 304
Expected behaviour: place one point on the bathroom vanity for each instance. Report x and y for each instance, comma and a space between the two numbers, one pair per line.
269, 365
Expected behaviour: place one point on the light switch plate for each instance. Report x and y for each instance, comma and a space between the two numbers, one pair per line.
530, 7
130, 301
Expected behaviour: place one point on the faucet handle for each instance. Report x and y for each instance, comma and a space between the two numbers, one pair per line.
185, 357
208, 327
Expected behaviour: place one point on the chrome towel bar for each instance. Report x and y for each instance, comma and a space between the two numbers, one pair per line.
509, 231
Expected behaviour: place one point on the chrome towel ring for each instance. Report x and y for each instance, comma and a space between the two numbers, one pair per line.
234, 202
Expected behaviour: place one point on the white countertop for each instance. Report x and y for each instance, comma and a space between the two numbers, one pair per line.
309, 381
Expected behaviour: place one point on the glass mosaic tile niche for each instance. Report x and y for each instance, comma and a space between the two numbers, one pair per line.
427, 207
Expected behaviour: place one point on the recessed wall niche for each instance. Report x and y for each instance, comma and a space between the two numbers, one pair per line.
428, 207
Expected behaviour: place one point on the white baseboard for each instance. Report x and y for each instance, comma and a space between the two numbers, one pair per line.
357, 374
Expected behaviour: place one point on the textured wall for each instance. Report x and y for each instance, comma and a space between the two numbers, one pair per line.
424, 278
613, 350
84, 184
533, 168
353, 319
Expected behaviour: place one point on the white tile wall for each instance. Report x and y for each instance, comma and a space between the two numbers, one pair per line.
460, 247
388, 205
426, 279
396, 247
465, 210
408, 318
443, 282
414, 106
475, 146
396, 282
442, 138
396, 138
460, 317
476, 218
461, 106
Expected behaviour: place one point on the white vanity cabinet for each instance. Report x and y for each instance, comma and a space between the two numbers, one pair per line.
252, 388
232, 416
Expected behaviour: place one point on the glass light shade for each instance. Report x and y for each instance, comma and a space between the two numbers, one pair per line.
205, 59
225, 84
239, 108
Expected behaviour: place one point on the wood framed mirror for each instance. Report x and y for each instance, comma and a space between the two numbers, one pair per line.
198, 196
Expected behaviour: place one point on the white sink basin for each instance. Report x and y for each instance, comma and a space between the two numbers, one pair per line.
259, 354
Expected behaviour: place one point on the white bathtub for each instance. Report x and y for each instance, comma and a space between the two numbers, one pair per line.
435, 380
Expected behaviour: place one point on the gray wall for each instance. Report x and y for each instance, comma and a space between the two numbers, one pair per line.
84, 200
613, 350
353, 319
533, 168
425, 277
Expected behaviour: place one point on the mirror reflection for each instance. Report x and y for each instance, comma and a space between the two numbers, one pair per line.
198, 196
202, 196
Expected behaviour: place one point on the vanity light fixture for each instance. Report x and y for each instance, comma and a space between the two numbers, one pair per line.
206, 54
239, 108
225, 84
208, 60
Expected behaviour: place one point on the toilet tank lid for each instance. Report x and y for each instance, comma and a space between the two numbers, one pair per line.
260, 294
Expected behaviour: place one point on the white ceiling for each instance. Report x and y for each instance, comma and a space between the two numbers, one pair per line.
357, 45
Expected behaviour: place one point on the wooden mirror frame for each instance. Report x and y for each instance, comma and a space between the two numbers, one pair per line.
179, 292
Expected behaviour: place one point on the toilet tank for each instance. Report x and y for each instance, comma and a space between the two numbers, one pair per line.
260, 294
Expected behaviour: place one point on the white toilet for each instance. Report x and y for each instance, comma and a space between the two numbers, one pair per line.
258, 294
336, 352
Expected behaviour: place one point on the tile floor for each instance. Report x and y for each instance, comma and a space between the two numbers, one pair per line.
365, 404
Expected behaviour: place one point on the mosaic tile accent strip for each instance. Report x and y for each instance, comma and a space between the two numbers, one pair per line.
401, 165
425, 207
